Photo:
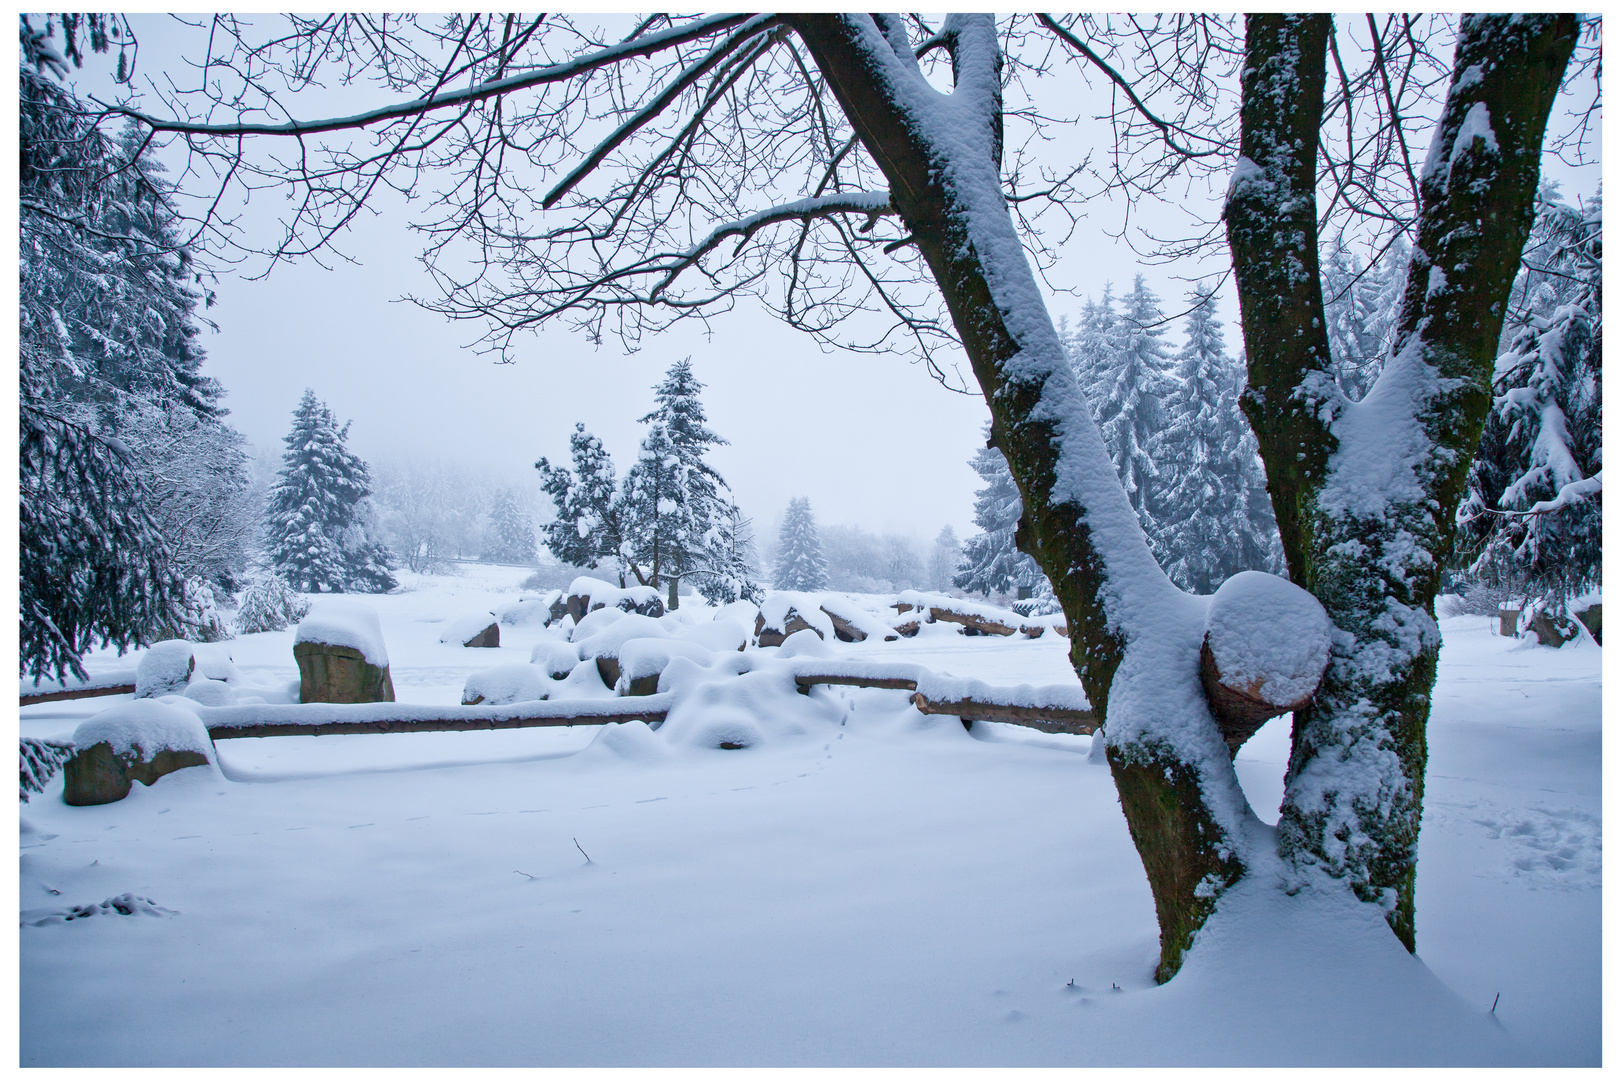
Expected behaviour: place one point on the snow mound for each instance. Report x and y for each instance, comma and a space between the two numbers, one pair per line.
348, 623
804, 643
526, 610
595, 623
555, 658
608, 641
642, 657
742, 611
631, 741
165, 669
462, 630
505, 684
143, 728
1269, 637
210, 692
214, 662
721, 635
756, 707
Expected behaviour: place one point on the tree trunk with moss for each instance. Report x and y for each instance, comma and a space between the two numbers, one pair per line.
1366, 492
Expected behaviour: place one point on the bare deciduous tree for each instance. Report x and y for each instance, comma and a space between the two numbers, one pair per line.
883, 183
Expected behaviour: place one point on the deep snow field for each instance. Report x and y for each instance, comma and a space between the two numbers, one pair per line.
865, 886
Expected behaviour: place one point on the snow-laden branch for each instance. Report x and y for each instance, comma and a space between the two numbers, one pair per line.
552, 73
871, 203
1576, 491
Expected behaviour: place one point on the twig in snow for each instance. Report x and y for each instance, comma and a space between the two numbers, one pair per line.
531, 877
582, 850
1493, 1004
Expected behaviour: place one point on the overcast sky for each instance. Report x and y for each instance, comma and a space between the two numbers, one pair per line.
871, 440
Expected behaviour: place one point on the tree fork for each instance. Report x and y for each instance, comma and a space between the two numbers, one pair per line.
1376, 568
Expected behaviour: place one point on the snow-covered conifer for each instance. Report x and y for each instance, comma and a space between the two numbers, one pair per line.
317, 531
942, 559
1532, 519
1215, 517
510, 535
1129, 401
990, 561
269, 604
1361, 303
592, 522
800, 564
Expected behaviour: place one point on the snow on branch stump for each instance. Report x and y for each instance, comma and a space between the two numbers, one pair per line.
1266, 647
135, 740
341, 656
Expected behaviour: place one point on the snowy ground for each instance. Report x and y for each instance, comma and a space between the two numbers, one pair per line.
868, 886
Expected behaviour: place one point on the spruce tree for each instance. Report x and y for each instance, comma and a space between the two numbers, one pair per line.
1361, 303
990, 560
592, 522
1134, 385
317, 523
800, 564
510, 535
1532, 520
1207, 518
678, 521
942, 559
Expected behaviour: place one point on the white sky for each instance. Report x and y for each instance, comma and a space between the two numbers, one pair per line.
871, 440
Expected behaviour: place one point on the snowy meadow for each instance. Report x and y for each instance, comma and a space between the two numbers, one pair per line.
862, 885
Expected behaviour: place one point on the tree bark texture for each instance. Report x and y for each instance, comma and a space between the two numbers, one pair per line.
1366, 492
941, 156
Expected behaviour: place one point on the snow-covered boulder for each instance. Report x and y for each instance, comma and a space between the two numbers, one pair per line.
340, 653
526, 610
165, 669
643, 660
594, 623
554, 658
587, 594
1266, 647
479, 631
505, 684
804, 642
785, 613
134, 740
604, 645
214, 662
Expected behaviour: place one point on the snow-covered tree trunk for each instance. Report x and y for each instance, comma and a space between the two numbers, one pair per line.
1365, 492
1135, 637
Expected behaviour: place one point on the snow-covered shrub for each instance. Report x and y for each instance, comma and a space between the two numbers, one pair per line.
269, 604
199, 618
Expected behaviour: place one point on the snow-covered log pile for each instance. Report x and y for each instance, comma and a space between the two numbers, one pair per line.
785, 612
975, 618
340, 653
588, 594
1266, 646
851, 622
134, 740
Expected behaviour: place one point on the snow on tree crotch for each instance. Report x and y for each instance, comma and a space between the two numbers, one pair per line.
1266, 646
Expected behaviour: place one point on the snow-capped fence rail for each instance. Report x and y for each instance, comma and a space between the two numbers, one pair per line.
41, 697
375, 718
1058, 709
